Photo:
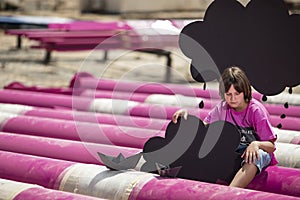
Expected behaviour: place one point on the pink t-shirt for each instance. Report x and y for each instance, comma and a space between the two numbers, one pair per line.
253, 122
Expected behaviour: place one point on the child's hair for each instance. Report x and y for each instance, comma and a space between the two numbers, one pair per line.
236, 77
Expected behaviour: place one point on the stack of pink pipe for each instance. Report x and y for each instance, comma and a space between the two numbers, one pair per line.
36, 113
144, 99
52, 139
35, 121
191, 91
98, 181
78, 131
133, 108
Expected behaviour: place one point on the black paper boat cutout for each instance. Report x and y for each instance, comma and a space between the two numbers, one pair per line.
120, 162
166, 171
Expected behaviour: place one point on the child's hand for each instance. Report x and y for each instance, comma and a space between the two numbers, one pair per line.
251, 153
179, 113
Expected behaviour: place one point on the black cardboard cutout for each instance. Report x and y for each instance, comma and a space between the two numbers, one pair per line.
260, 38
220, 162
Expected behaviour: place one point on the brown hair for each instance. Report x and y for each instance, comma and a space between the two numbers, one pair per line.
236, 77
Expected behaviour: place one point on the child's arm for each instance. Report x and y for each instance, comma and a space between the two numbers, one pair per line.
267, 146
251, 153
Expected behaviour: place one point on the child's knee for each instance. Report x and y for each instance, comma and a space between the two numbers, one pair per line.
263, 161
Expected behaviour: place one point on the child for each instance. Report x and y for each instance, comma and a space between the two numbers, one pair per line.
251, 119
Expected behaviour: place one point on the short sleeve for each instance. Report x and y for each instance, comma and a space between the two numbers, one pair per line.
262, 125
216, 114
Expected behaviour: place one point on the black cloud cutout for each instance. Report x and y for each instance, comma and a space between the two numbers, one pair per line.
215, 163
261, 38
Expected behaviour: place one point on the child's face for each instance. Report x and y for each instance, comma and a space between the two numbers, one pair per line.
235, 99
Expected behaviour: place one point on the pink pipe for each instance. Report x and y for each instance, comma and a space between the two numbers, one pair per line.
275, 109
90, 25
20, 86
61, 149
140, 87
22, 191
42, 193
102, 118
140, 97
295, 140
290, 123
171, 189
40, 170
43, 99
162, 111
80, 131
144, 98
45, 172
279, 180
287, 136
